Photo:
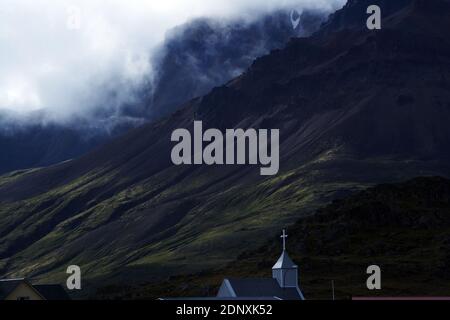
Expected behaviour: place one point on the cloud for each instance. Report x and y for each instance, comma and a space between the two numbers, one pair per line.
70, 58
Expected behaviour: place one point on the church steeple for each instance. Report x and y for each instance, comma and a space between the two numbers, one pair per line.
285, 271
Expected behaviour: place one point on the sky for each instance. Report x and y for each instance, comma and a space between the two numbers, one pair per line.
69, 57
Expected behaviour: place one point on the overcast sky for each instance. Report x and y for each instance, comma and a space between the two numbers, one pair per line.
66, 56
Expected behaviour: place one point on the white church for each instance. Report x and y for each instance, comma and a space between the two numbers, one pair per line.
282, 286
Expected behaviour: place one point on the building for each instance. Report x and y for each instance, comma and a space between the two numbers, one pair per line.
22, 289
282, 286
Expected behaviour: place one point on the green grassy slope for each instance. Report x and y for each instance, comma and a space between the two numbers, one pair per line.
404, 228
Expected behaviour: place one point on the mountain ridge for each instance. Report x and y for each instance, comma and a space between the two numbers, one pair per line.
194, 58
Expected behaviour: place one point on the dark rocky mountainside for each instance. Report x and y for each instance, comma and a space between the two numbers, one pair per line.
206, 53
354, 108
354, 16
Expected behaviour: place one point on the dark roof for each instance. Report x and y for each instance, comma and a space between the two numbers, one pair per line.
47, 291
52, 291
265, 287
8, 286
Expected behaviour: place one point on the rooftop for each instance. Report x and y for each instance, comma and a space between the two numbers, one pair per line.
284, 262
263, 287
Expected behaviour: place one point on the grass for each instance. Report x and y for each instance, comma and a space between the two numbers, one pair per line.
160, 225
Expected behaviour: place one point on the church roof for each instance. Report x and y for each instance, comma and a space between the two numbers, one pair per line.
52, 291
7, 286
265, 287
284, 262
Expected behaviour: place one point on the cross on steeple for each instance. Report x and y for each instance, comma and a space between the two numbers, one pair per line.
284, 236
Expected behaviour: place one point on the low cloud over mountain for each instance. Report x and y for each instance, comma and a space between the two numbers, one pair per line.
81, 88
71, 58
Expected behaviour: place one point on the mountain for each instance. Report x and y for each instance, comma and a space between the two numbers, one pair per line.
206, 53
194, 58
354, 108
354, 16
404, 228
38, 143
